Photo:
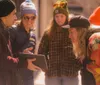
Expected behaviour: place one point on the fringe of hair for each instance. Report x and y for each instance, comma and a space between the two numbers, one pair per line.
80, 47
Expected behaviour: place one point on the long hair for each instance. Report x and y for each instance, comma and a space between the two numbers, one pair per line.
79, 48
51, 29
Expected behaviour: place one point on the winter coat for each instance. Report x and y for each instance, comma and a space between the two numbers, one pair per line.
8, 69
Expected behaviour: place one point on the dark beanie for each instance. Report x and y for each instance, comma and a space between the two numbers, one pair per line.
6, 7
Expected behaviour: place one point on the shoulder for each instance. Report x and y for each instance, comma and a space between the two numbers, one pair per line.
94, 41
13, 31
46, 32
13, 28
92, 31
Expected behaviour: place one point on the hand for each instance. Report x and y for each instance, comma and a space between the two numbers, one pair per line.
31, 66
15, 60
27, 50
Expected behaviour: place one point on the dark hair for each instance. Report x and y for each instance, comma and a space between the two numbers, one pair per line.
53, 27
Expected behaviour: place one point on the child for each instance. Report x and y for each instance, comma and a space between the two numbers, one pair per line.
62, 66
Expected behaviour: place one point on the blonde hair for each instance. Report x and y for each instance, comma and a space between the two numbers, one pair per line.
79, 48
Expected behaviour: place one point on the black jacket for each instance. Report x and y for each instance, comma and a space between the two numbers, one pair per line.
5, 64
8, 69
21, 40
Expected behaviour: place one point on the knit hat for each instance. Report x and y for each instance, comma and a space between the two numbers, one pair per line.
95, 17
6, 7
28, 7
60, 7
79, 21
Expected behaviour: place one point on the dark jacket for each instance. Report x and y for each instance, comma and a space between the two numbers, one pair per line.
20, 39
5, 64
8, 68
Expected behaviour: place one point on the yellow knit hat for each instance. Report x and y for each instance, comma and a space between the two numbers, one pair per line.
60, 7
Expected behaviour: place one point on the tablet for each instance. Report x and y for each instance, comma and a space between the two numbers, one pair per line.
40, 59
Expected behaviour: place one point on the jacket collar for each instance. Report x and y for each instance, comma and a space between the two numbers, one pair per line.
2, 26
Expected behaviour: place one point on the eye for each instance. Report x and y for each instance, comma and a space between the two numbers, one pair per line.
33, 17
29, 18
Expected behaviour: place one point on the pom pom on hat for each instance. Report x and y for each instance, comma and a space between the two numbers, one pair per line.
95, 17
6, 7
60, 7
79, 21
28, 7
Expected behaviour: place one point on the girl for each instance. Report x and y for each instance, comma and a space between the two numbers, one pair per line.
56, 46
77, 33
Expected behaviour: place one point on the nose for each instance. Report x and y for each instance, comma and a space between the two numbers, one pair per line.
29, 19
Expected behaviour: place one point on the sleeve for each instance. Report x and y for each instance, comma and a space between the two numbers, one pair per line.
4, 52
12, 32
31, 42
44, 45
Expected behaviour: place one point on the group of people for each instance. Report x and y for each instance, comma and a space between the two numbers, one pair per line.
69, 46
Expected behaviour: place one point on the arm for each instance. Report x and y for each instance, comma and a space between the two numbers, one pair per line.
31, 43
44, 45
4, 53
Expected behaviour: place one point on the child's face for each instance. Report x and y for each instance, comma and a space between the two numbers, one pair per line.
60, 19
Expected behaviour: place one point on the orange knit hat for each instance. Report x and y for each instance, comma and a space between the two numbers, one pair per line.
95, 17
